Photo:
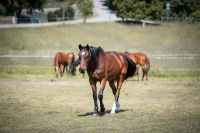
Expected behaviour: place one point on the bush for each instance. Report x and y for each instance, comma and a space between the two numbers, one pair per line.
52, 17
58, 14
196, 15
69, 13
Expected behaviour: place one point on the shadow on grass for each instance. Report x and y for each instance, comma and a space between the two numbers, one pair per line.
138, 22
101, 114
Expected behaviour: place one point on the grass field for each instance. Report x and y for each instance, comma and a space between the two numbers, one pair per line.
159, 105
33, 100
165, 39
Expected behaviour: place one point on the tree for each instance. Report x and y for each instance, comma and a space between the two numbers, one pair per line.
135, 9
184, 8
153, 9
63, 8
16, 6
86, 8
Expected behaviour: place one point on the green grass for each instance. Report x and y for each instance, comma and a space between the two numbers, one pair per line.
33, 100
65, 106
165, 39
37, 72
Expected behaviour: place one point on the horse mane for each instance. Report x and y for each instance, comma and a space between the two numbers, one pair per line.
96, 51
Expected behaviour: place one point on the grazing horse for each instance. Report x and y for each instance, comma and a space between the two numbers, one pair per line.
142, 60
62, 60
75, 64
105, 66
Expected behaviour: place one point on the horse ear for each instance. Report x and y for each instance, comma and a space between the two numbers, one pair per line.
88, 47
80, 46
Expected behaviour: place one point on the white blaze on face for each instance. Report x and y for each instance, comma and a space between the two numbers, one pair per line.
83, 53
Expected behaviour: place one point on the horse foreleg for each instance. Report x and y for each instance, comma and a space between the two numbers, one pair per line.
94, 91
100, 95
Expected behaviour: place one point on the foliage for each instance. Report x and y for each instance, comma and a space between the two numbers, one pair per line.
184, 8
153, 9
57, 15
86, 8
52, 16
137, 9
196, 15
16, 6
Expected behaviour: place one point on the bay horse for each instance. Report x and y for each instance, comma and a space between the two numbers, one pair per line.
61, 62
142, 60
105, 66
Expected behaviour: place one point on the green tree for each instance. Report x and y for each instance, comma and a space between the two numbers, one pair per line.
196, 15
86, 8
184, 8
154, 9
135, 9
62, 5
16, 6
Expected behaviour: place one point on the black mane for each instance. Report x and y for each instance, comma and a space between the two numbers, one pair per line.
95, 52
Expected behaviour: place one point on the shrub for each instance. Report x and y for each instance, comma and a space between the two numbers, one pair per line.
52, 17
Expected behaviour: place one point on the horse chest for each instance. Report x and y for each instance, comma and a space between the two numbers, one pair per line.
97, 74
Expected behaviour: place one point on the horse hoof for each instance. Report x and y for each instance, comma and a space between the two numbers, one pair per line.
103, 111
112, 112
94, 114
117, 111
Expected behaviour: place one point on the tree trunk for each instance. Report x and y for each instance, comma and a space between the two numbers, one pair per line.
19, 11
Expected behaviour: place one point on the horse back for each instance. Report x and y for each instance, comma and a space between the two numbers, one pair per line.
138, 58
119, 63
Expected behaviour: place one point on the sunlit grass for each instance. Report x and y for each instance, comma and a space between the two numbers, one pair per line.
65, 106
49, 73
167, 38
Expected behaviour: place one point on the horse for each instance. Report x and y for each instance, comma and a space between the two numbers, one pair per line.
61, 62
142, 60
104, 66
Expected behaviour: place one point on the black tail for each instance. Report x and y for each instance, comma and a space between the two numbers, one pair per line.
131, 68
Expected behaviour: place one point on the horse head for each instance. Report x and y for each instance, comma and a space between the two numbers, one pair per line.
84, 57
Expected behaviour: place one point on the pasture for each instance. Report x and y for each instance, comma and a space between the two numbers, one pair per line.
33, 100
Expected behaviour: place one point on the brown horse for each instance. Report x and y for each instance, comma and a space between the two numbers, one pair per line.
142, 60
105, 66
61, 62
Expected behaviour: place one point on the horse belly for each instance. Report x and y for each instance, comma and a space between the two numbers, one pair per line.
113, 73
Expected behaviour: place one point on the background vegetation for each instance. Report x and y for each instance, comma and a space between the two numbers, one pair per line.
154, 9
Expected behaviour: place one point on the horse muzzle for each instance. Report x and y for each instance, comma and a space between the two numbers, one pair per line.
81, 70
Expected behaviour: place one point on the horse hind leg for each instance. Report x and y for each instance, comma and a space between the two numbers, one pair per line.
61, 70
143, 74
116, 104
57, 71
137, 72
146, 71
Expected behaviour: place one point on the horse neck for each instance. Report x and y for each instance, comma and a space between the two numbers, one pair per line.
94, 63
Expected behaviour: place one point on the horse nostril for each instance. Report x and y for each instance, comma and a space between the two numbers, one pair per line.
81, 70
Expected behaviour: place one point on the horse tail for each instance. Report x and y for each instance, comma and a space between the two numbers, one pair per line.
131, 67
56, 64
